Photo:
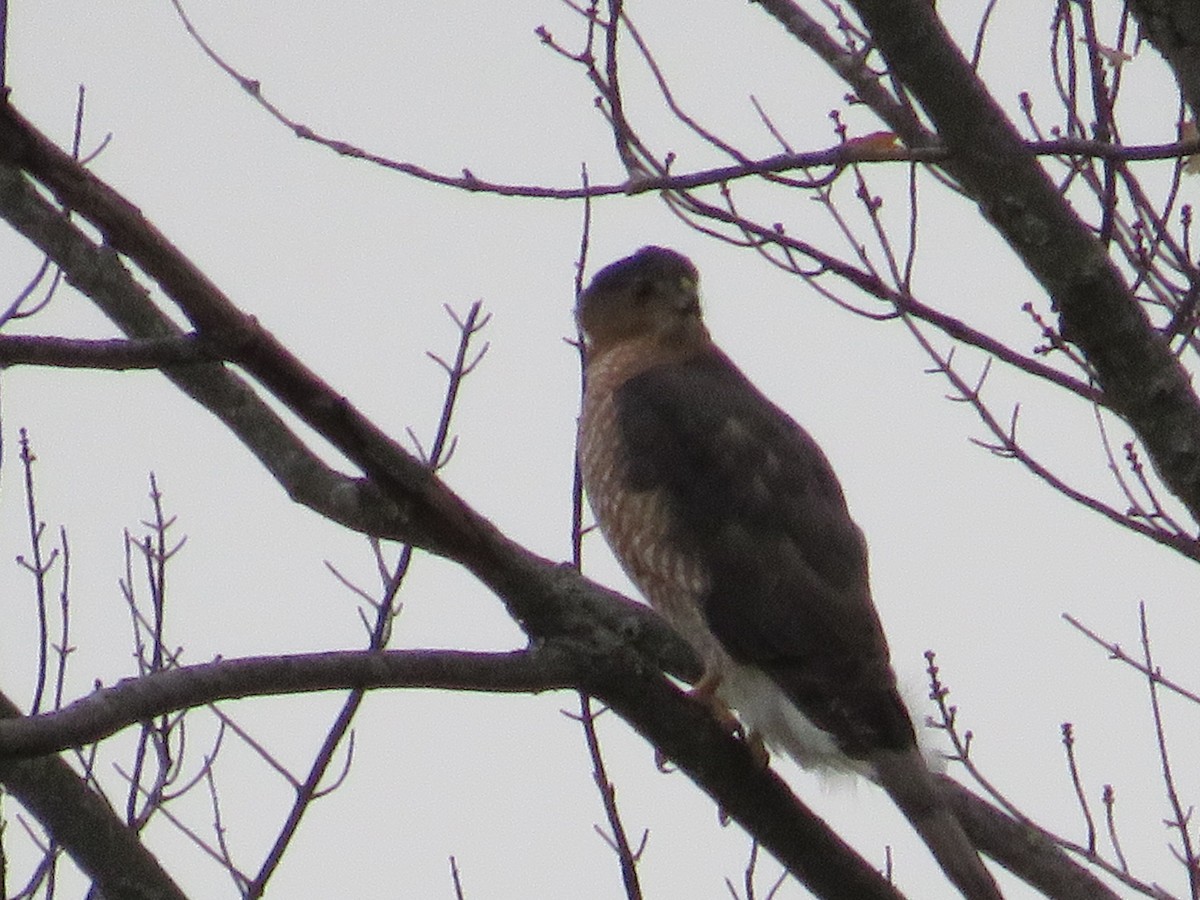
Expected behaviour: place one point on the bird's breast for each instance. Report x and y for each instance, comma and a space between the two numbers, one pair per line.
638, 524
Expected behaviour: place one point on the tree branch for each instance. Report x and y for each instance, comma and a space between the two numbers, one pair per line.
120, 355
620, 648
1117, 652
132, 700
627, 646
100, 273
1023, 849
80, 820
1143, 380
429, 515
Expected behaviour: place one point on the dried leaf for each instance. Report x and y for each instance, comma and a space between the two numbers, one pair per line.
1114, 57
1188, 131
875, 142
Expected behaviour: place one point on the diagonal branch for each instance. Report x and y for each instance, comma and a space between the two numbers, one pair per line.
1118, 653
1134, 366
1022, 849
867, 85
628, 646
81, 820
622, 648
906, 304
437, 518
100, 273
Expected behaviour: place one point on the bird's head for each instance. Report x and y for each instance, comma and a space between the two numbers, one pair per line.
652, 294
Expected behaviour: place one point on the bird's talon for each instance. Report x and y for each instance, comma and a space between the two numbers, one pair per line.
705, 691
758, 749
662, 763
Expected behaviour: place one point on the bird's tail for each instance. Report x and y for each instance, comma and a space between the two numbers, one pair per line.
911, 786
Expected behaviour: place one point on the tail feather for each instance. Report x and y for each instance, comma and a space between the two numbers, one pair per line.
908, 781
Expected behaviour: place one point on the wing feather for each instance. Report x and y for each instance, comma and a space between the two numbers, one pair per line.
751, 494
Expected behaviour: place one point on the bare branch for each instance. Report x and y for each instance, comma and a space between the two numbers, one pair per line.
1068, 739
117, 355
1109, 798
620, 652
1134, 366
1028, 852
899, 116
850, 65
1180, 821
82, 822
1115, 651
386, 607
133, 700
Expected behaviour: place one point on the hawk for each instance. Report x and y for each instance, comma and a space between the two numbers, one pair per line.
730, 520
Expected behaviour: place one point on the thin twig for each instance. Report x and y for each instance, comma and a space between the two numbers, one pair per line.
617, 837
38, 568
1116, 652
63, 649
456, 879
385, 607
1109, 798
1068, 739
1181, 820
948, 721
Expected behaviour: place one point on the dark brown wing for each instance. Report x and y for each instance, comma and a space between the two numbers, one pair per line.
752, 495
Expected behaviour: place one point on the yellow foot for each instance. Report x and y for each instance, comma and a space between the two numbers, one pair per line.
705, 690
758, 749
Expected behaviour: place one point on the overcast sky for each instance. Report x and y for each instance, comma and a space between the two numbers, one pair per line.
350, 266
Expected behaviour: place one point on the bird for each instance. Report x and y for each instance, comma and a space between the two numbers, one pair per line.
729, 518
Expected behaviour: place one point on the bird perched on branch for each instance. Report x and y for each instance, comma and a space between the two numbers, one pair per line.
729, 518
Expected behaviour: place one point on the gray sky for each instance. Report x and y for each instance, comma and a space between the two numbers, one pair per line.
350, 266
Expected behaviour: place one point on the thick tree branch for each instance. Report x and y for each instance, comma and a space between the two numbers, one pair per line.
402, 499
80, 820
621, 647
867, 85
132, 700
687, 734
627, 647
359, 504
1142, 379
100, 274
429, 515
1023, 849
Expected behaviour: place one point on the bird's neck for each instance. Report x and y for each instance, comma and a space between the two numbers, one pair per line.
629, 357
